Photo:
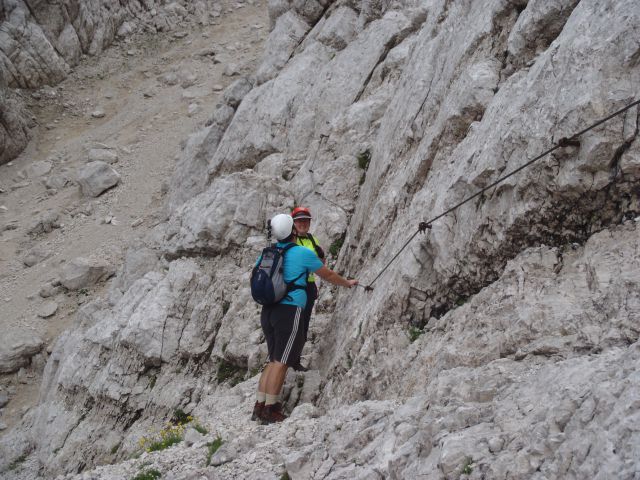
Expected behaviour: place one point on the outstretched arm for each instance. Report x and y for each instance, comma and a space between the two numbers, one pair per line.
335, 278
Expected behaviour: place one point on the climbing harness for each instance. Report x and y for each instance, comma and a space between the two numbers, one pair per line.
562, 143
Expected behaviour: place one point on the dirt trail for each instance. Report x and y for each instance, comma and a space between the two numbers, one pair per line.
154, 91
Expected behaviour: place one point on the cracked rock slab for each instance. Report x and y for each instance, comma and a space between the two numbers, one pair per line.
97, 177
16, 350
84, 272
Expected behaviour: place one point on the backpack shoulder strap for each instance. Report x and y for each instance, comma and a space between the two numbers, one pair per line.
289, 246
284, 250
316, 248
292, 284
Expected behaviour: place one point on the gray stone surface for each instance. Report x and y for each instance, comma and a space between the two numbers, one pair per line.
15, 122
191, 173
42, 41
47, 309
38, 169
97, 177
139, 260
16, 349
235, 92
49, 290
107, 155
290, 29
84, 272
192, 436
57, 180
35, 256
45, 223
340, 28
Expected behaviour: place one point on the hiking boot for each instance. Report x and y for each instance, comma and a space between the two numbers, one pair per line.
257, 411
272, 414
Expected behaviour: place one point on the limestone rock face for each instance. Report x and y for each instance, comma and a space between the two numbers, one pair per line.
191, 174
289, 31
15, 122
225, 216
42, 41
501, 343
340, 28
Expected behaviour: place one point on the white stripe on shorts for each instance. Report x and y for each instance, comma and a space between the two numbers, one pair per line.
292, 337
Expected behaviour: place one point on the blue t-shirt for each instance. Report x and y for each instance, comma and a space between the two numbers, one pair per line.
299, 262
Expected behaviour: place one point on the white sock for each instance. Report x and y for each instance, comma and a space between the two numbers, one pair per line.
271, 399
261, 397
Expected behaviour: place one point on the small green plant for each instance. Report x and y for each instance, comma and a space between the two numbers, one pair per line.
225, 307
285, 476
180, 418
200, 429
466, 466
363, 159
461, 301
17, 462
363, 162
172, 433
115, 448
414, 333
168, 436
335, 247
152, 381
173, 436
213, 448
229, 371
148, 475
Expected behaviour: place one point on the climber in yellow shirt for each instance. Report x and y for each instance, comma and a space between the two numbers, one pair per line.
302, 223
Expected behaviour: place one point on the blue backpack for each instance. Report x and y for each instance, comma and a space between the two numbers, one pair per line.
267, 278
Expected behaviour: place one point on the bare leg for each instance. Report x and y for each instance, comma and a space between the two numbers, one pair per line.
262, 384
274, 376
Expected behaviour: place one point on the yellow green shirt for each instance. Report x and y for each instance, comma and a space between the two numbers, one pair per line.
306, 242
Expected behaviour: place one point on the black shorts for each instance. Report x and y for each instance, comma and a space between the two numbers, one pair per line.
284, 331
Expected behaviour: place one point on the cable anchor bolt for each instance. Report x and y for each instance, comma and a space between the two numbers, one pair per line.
568, 142
423, 226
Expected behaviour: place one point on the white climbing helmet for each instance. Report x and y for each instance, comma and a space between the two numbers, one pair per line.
281, 226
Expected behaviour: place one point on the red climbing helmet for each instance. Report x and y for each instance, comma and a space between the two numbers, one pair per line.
300, 213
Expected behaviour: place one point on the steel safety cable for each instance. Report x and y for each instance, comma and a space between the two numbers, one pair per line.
563, 142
